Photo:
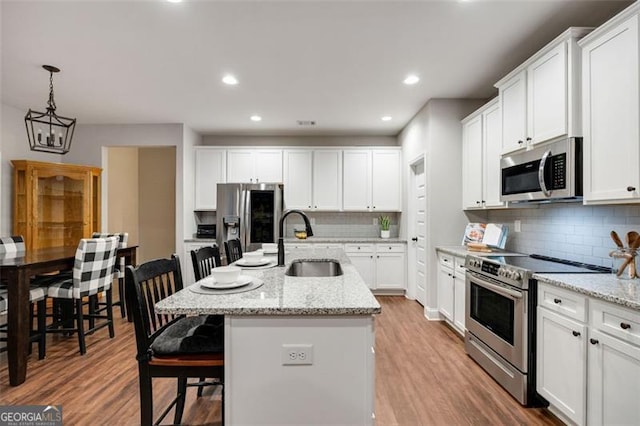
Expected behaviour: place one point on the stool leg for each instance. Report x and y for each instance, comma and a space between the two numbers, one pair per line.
146, 397
80, 319
121, 295
110, 313
182, 394
42, 328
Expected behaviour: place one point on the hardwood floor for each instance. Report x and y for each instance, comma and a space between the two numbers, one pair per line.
423, 377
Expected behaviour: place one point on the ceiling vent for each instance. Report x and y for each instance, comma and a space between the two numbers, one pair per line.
306, 122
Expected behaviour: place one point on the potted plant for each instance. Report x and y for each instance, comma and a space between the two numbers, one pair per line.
384, 221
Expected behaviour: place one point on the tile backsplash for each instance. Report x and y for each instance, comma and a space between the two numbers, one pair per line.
568, 231
343, 224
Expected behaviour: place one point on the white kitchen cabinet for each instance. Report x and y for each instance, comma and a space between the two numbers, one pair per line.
381, 266
186, 265
539, 99
452, 291
254, 165
356, 194
481, 150
210, 170
327, 179
445, 292
459, 294
372, 180
298, 179
561, 372
611, 98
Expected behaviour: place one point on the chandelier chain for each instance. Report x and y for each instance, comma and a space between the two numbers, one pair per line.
51, 103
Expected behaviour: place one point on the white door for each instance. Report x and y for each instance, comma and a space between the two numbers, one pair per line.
472, 163
268, 165
327, 180
240, 166
297, 179
210, 171
386, 180
513, 104
356, 166
419, 237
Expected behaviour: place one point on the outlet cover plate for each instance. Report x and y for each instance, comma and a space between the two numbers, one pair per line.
297, 354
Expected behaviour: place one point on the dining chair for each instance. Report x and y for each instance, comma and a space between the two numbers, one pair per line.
204, 260
14, 246
170, 345
123, 238
233, 250
93, 272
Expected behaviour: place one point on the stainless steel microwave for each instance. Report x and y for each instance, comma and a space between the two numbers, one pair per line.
549, 172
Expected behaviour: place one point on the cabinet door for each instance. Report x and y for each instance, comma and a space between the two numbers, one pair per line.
386, 180
210, 171
459, 296
547, 96
445, 292
614, 381
472, 163
327, 180
390, 270
365, 265
268, 165
492, 146
298, 170
357, 180
513, 105
611, 115
561, 363
240, 166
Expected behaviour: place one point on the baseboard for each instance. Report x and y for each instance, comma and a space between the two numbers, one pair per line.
432, 314
388, 292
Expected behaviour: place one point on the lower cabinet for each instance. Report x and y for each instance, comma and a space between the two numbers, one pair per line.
381, 266
452, 290
588, 360
188, 276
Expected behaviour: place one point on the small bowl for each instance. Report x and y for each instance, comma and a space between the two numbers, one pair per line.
269, 247
253, 256
226, 274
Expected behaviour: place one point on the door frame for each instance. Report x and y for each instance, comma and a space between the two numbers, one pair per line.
412, 287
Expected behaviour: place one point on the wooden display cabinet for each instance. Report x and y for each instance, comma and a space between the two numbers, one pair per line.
55, 204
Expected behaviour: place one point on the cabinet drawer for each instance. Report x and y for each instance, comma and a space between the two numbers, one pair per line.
563, 301
615, 320
459, 269
358, 248
445, 259
327, 245
390, 248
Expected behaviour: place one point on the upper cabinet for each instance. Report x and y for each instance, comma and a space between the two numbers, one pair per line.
481, 147
254, 165
313, 179
372, 180
539, 100
610, 75
210, 171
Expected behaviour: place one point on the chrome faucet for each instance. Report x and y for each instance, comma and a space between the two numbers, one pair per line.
281, 229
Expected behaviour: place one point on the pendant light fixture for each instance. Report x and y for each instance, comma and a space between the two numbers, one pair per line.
47, 131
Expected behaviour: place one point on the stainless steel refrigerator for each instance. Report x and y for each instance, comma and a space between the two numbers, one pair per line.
249, 212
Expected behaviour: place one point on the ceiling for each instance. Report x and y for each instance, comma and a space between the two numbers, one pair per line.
339, 63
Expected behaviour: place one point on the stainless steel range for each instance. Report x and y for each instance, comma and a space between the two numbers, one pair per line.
500, 316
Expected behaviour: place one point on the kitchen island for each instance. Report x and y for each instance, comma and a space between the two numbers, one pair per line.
298, 350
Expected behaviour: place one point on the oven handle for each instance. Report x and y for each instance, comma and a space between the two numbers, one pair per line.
498, 289
543, 162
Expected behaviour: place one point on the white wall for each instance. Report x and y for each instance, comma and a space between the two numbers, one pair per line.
14, 145
436, 132
188, 178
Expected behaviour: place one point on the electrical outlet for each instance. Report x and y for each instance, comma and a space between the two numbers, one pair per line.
517, 225
297, 354
375, 221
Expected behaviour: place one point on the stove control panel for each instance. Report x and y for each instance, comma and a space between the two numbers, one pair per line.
499, 270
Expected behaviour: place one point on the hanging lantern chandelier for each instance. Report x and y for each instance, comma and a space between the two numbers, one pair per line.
47, 131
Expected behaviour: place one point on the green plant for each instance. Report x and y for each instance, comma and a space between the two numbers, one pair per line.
384, 222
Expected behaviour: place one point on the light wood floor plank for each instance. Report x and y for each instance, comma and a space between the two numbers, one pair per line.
423, 377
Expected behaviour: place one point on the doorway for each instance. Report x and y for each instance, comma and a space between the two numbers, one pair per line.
418, 228
140, 188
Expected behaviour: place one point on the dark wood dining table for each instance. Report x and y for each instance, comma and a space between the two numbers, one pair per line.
18, 270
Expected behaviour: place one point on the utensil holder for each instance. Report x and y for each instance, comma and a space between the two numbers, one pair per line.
625, 263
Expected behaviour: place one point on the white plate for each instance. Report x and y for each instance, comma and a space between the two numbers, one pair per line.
210, 282
244, 262
271, 251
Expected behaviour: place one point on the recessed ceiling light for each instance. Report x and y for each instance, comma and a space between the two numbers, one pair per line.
386, 118
230, 80
174, 1
256, 118
411, 79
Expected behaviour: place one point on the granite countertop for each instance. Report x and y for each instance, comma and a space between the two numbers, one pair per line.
282, 295
345, 240
600, 286
462, 251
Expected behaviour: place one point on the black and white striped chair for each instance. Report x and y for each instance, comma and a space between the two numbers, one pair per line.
14, 246
123, 238
93, 271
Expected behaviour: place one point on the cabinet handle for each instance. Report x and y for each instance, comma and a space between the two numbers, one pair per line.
528, 139
414, 239
520, 142
631, 188
367, 206
576, 333
358, 248
477, 202
378, 257
557, 301
371, 257
309, 206
483, 201
625, 326
594, 341
315, 207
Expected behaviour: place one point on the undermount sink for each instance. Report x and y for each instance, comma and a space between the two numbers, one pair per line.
314, 268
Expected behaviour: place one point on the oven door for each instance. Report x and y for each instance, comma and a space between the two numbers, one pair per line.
496, 314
